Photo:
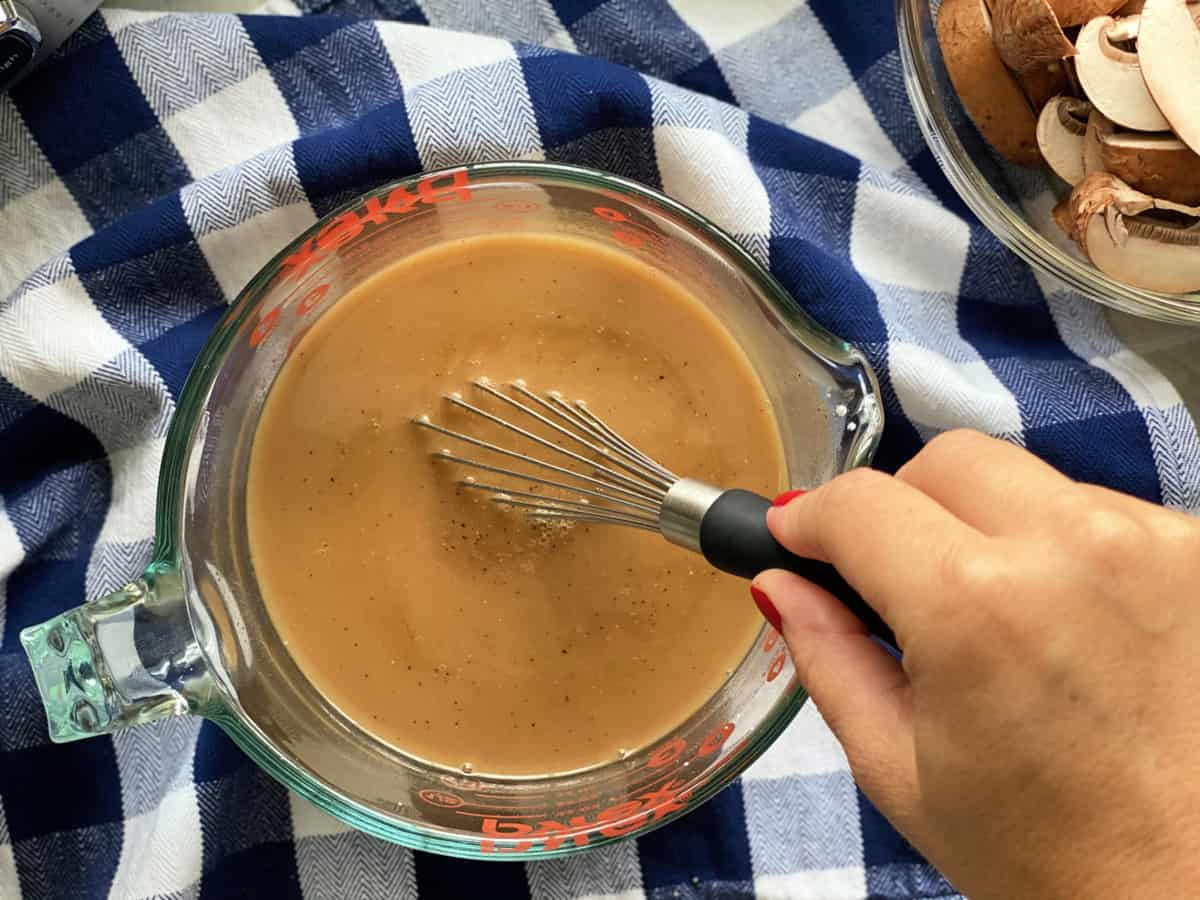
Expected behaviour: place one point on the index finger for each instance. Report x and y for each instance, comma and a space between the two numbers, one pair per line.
889, 540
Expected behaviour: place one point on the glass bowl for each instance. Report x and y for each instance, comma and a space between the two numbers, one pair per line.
191, 633
1015, 204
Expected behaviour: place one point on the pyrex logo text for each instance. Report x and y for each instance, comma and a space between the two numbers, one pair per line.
350, 225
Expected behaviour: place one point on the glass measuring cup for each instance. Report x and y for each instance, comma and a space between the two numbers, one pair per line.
191, 634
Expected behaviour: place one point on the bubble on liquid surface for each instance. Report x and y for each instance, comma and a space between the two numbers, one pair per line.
467, 768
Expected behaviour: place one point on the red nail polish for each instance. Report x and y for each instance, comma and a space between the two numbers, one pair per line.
787, 497
767, 608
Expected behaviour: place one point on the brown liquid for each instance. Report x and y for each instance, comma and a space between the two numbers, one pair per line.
453, 629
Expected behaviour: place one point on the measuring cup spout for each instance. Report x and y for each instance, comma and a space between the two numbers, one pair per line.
123, 659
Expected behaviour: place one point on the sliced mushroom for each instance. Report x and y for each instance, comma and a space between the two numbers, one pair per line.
1028, 35
1111, 76
1043, 83
987, 89
1169, 52
1098, 127
1060, 132
1157, 164
1138, 239
1076, 12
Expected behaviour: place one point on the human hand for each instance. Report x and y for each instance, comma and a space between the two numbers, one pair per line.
1041, 737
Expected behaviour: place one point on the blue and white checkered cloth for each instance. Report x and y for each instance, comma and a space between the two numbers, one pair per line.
154, 164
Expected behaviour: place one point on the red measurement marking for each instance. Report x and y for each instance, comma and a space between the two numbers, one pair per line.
631, 234
442, 799
300, 261
311, 299
518, 206
646, 233
264, 327
716, 739
615, 821
777, 665
349, 225
737, 749
667, 753
609, 214
771, 640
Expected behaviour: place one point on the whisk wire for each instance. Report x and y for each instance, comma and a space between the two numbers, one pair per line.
667, 477
579, 416
602, 487
621, 485
502, 492
535, 511
600, 470
632, 467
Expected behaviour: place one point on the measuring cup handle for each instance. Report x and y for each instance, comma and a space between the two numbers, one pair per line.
113, 663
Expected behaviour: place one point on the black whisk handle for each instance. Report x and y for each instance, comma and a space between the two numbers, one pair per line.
735, 539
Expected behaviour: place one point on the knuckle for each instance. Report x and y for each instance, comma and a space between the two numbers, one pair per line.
974, 576
1110, 538
852, 488
984, 588
953, 445
842, 502
1177, 534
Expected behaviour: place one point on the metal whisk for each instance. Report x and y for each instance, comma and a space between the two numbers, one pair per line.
594, 475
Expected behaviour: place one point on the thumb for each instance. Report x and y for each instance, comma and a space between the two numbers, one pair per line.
860, 689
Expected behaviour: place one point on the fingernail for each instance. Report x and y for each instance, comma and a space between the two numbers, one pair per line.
767, 608
787, 497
